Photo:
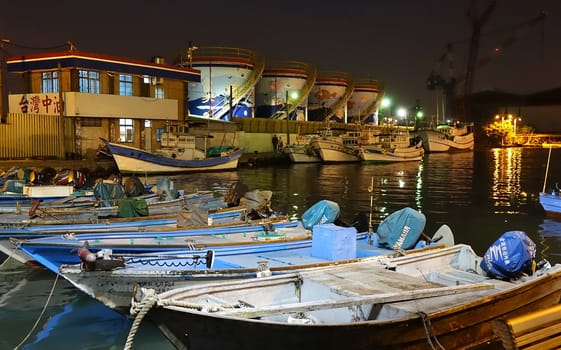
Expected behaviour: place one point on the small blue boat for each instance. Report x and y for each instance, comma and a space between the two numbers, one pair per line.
61, 249
550, 201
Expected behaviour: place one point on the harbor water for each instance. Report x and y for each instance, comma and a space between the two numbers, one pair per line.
479, 194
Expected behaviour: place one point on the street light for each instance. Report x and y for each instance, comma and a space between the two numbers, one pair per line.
294, 96
402, 113
419, 116
385, 105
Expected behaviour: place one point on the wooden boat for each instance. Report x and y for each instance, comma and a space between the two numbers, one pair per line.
160, 223
241, 255
448, 138
58, 249
192, 217
25, 196
550, 201
139, 223
180, 153
328, 245
534, 330
166, 271
440, 298
101, 209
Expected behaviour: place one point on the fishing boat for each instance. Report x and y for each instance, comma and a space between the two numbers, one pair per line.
301, 151
182, 217
18, 196
394, 145
180, 152
220, 259
21, 188
60, 249
550, 201
448, 138
338, 148
184, 221
440, 298
73, 212
112, 200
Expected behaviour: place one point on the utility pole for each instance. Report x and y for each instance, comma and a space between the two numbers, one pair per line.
2, 94
287, 120
61, 115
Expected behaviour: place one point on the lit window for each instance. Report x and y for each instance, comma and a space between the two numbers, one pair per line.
125, 85
159, 92
147, 123
49, 82
126, 128
89, 81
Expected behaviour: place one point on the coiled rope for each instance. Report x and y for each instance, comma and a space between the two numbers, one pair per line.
149, 299
40, 315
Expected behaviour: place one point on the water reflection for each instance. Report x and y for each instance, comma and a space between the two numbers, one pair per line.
506, 187
448, 180
39, 311
549, 239
479, 194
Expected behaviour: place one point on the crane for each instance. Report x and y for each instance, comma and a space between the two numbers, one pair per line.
456, 104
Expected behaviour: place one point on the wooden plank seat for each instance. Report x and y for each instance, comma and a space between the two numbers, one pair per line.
536, 330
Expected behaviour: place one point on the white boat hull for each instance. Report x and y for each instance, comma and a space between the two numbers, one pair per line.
302, 154
434, 141
379, 155
332, 151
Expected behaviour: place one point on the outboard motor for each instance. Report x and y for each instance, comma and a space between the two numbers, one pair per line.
510, 256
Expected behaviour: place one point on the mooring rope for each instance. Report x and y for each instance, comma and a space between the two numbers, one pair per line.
40, 315
150, 298
429, 331
16, 248
7, 258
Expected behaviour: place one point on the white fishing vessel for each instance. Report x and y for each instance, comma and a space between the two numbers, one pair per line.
338, 149
392, 146
448, 138
301, 151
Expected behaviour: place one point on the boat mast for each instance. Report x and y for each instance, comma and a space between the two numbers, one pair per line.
546, 169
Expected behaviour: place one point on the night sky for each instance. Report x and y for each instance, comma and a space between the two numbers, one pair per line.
395, 41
